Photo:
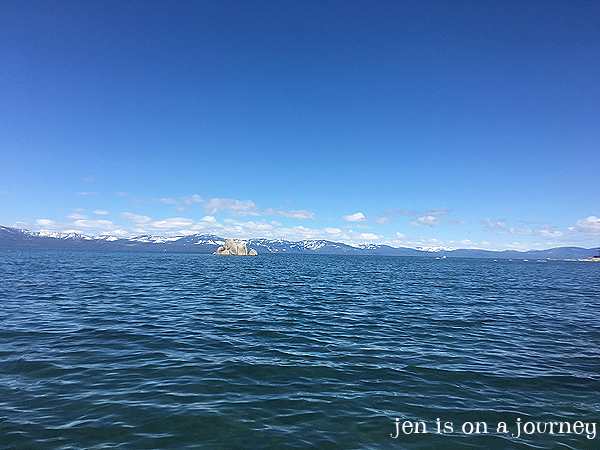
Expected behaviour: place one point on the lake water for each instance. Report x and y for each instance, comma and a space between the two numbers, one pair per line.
161, 350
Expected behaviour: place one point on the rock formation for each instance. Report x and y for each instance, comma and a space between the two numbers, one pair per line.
233, 248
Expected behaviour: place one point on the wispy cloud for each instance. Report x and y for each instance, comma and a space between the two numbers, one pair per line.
207, 223
542, 230
366, 236
356, 217
44, 222
104, 224
145, 224
232, 206
100, 212
193, 199
382, 220
432, 221
185, 200
170, 223
491, 225
426, 218
136, 218
298, 214
88, 193
76, 216
80, 226
589, 226
438, 212
90, 179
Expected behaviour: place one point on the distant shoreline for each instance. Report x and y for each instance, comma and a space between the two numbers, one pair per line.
206, 243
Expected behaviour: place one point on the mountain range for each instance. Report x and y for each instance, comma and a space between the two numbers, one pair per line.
208, 243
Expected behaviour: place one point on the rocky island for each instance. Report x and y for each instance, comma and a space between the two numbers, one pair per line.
233, 248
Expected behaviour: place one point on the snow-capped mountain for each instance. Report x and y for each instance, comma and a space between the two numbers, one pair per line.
208, 243
436, 249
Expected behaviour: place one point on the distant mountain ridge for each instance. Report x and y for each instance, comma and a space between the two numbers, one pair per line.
208, 243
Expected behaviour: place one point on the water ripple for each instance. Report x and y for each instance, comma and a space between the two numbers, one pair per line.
150, 350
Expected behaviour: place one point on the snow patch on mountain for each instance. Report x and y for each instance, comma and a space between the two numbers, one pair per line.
107, 238
149, 239
209, 242
435, 249
57, 235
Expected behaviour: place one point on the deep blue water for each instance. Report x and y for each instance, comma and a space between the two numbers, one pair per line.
159, 350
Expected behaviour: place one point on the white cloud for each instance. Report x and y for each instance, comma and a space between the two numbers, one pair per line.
367, 236
273, 230
491, 225
193, 199
549, 233
528, 232
88, 193
207, 223
298, 214
115, 232
356, 217
522, 246
254, 226
432, 221
426, 220
520, 230
400, 235
300, 232
100, 212
382, 220
438, 212
79, 226
423, 243
173, 222
589, 226
232, 206
136, 218
105, 224
91, 179
169, 201
146, 225
76, 216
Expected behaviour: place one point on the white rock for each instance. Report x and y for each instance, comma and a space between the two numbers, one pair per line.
233, 248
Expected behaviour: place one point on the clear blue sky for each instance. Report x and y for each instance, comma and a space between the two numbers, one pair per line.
441, 123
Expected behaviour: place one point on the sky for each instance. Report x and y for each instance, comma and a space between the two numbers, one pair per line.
463, 124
